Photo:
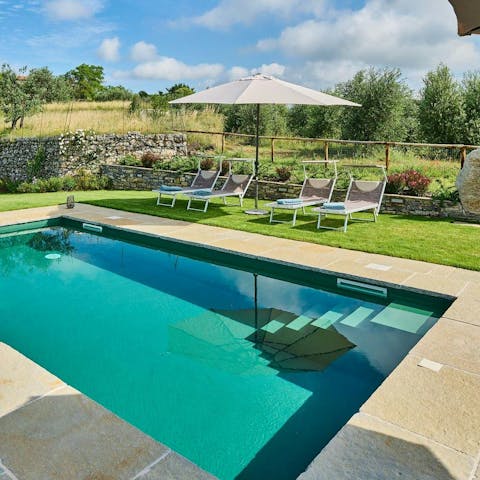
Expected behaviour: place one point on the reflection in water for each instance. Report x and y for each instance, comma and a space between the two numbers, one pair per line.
18, 251
247, 376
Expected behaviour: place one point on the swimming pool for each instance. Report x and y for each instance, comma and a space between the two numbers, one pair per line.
227, 362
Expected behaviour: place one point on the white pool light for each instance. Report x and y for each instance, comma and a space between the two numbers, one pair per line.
52, 256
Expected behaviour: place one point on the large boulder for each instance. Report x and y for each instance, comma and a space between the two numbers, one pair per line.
468, 183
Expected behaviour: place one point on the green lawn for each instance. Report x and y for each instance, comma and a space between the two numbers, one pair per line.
419, 238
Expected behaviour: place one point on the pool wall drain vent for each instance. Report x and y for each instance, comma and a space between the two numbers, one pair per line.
362, 287
92, 227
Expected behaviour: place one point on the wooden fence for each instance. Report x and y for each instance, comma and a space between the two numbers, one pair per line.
457, 149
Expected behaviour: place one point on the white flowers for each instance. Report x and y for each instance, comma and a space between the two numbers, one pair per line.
75, 142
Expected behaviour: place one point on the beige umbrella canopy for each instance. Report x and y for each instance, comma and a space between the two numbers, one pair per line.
262, 89
468, 16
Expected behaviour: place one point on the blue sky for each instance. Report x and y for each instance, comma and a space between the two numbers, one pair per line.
149, 45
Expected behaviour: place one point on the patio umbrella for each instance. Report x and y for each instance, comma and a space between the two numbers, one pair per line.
262, 89
468, 16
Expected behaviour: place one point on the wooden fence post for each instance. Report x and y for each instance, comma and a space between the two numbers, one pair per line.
326, 151
272, 149
387, 156
463, 156
223, 143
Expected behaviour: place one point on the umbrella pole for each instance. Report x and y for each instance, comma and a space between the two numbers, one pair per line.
255, 300
256, 210
257, 146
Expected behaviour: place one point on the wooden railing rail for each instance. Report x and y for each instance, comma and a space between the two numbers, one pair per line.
328, 141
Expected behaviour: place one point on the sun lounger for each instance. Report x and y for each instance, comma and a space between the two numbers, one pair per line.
362, 196
204, 179
236, 185
314, 191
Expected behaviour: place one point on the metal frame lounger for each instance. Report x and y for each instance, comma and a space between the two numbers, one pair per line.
204, 179
235, 186
314, 192
362, 196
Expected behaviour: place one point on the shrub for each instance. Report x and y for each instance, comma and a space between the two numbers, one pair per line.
149, 159
409, 182
69, 183
444, 193
7, 185
130, 160
207, 164
35, 165
53, 184
26, 187
283, 173
395, 183
89, 181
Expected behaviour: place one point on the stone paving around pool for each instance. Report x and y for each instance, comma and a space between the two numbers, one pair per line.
422, 423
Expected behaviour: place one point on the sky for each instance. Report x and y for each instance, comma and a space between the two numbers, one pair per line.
150, 45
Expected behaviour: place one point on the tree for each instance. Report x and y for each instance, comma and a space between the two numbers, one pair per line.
242, 119
441, 111
109, 93
315, 121
49, 88
471, 99
16, 100
86, 81
385, 100
179, 90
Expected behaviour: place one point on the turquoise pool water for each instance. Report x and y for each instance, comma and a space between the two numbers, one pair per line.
246, 375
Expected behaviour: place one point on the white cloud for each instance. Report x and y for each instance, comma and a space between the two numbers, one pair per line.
274, 69
394, 33
72, 9
231, 12
51, 44
237, 72
109, 49
143, 52
167, 68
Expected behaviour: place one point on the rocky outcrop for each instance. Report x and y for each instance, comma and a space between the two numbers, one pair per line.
468, 183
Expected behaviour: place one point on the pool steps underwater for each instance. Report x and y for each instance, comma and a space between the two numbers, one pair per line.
396, 316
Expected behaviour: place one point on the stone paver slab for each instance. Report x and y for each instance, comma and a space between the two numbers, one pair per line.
369, 449
66, 435
452, 343
22, 380
442, 406
394, 275
465, 309
175, 467
436, 282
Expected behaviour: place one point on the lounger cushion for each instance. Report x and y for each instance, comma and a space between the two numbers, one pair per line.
334, 206
170, 188
203, 193
289, 201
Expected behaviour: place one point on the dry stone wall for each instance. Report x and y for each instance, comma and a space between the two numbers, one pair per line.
134, 178
66, 154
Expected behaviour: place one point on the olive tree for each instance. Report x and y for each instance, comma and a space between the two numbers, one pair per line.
16, 100
386, 105
471, 98
441, 109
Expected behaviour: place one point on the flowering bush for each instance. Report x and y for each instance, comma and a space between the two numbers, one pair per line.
283, 173
149, 159
409, 182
